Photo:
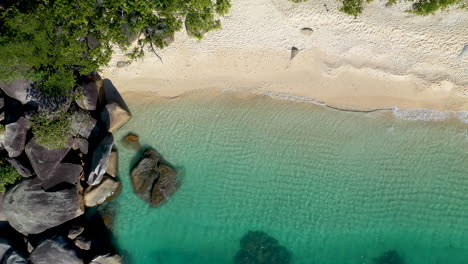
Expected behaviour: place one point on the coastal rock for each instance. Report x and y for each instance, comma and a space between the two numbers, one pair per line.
307, 31
75, 231
145, 174
104, 192
294, 52
107, 259
112, 169
57, 250
131, 141
18, 89
31, 210
82, 124
82, 243
2, 103
15, 137
64, 172
22, 165
114, 116
8, 255
100, 160
43, 160
90, 90
81, 144
165, 186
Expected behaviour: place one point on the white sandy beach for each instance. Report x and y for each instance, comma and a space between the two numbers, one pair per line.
384, 58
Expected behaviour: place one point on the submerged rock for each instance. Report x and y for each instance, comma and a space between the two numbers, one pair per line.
57, 250
31, 210
389, 257
114, 116
15, 137
100, 160
259, 248
131, 141
106, 191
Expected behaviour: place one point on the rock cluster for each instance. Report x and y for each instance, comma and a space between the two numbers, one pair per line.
258, 247
58, 183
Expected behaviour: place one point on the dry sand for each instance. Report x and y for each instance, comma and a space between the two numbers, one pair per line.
384, 58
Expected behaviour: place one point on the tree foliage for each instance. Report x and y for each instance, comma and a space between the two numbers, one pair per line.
52, 131
8, 174
53, 41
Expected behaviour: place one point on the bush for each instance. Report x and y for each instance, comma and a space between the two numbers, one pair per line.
427, 7
52, 132
352, 7
8, 174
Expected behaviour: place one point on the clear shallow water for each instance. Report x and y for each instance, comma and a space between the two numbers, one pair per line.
332, 187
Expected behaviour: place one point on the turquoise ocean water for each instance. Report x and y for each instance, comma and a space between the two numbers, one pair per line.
332, 187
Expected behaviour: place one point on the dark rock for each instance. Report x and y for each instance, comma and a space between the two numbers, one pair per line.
15, 137
2, 214
22, 165
82, 124
31, 210
259, 248
113, 169
82, 243
18, 89
107, 259
307, 31
88, 98
81, 144
57, 250
153, 182
131, 36
145, 174
100, 160
107, 190
75, 231
131, 141
92, 41
114, 116
165, 186
389, 257
43, 160
2, 103
294, 52
159, 31
64, 172
8, 255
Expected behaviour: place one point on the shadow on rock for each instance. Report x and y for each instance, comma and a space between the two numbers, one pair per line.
258, 247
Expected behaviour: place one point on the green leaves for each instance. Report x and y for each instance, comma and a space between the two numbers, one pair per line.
49, 41
8, 174
52, 131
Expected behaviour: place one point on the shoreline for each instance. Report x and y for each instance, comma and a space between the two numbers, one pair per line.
383, 59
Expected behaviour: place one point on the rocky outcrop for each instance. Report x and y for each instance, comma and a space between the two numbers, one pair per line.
88, 95
82, 124
107, 259
106, 191
153, 182
31, 210
75, 231
57, 250
131, 141
15, 137
2, 215
114, 116
100, 160
260, 248
82, 243
18, 90
8, 255
112, 168
22, 165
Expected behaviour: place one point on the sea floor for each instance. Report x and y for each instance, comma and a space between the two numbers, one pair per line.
331, 187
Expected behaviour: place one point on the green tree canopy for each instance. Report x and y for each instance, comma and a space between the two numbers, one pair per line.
53, 41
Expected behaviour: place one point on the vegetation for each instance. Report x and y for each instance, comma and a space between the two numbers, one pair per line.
54, 41
8, 174
52, 132
420, 7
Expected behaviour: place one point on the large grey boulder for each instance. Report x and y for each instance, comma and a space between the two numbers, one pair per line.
153, 182
22, 165
57, 250
18, 89
82, 124
88, 99
15, 137
100, 160
2, 215
114, 116
106, 191
31, 210
107, 259
47, 166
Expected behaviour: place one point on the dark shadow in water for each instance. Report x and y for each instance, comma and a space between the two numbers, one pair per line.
258, 247
389, 257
